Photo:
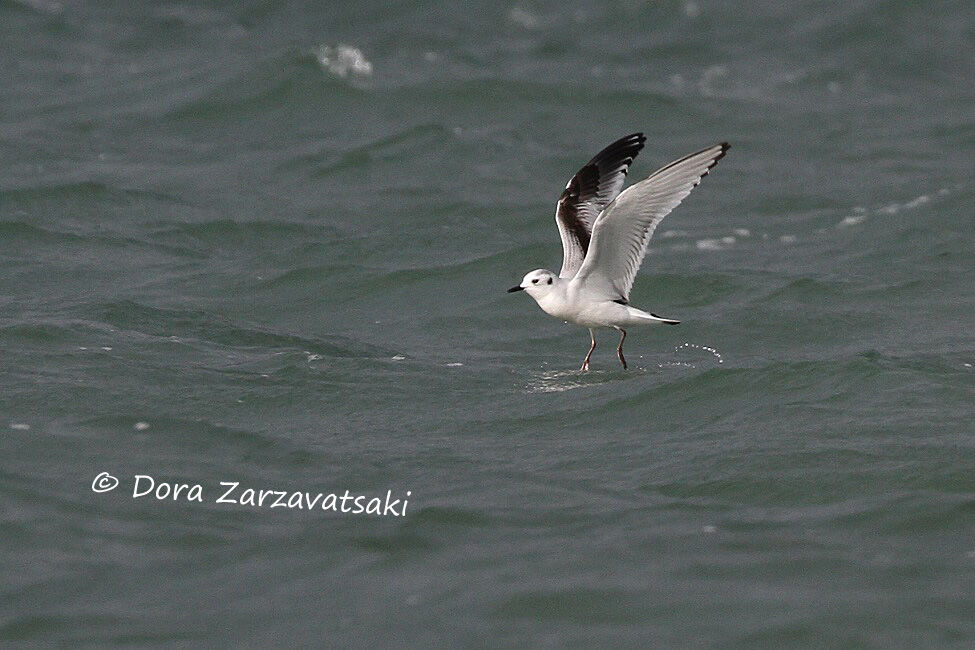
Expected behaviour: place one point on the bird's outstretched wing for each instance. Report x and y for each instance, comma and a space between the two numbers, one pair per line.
587, 194
621, 233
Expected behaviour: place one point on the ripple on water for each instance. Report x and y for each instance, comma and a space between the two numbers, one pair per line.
557, 381
685, 355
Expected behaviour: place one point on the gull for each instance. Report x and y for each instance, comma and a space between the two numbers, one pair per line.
605, 234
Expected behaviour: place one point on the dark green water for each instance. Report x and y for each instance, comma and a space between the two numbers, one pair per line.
268, 243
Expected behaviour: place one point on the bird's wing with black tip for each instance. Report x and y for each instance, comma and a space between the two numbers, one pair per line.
621, 233
587, 194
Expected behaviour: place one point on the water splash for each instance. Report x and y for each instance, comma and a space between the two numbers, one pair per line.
685, 347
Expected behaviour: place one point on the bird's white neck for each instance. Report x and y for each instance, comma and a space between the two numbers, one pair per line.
553, 299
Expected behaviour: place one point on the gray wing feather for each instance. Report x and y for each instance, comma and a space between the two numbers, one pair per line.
620, 234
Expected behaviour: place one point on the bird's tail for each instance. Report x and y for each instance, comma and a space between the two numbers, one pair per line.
652, 319
665, 321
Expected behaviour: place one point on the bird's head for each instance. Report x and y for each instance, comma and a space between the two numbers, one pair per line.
537, 283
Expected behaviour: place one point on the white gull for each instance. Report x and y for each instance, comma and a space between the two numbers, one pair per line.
605, 235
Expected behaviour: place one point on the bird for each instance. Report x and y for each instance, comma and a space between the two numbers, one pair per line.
605, 233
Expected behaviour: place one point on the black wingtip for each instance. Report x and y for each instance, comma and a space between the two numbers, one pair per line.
622, 151
724, 149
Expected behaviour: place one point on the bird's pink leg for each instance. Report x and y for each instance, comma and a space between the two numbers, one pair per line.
619, 350
585, 364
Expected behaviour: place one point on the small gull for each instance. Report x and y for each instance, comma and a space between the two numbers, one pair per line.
605, 234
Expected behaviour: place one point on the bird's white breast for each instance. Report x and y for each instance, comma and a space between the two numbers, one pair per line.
569, 303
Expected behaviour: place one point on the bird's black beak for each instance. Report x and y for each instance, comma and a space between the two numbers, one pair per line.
513, 289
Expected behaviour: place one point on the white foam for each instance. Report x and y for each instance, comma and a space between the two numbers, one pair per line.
860, 213
787, 239
20, 426
714, 244
709, 76
851, 221
140, 426
523, 18
894, 208
709, 245
456, 364
344, 60
52, 8
743, 232
921, 200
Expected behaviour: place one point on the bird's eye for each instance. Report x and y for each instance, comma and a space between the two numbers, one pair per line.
535, 281
550, 280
